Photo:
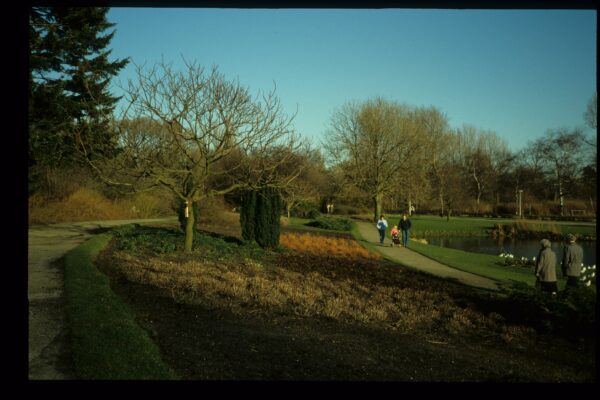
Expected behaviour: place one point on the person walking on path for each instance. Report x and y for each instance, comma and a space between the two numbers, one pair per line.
382, 226
404, 225
545, 268
571, 261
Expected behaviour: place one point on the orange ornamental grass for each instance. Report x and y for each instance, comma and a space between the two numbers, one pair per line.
325, 245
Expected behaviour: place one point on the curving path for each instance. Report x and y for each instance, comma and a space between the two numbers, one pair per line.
48, 349
409, 258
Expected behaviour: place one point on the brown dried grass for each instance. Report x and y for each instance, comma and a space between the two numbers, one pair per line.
86, 204
81, 205
345, 286
325, 245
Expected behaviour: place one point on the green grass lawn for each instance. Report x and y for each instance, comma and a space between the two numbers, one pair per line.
427, 225
107, 341
485, 265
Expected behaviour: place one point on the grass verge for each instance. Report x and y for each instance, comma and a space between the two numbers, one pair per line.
485, 265
107, 341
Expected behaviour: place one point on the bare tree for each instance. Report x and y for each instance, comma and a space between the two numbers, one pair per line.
373, 141
500, 159
179, 127
308, 184
560, 152
590, 114
439, 144
483, 156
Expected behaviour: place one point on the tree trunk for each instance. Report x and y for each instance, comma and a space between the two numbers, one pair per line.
377, 200
442, 201
189, 227
287, 207
497, 202
479, 190
48, 182
561, 198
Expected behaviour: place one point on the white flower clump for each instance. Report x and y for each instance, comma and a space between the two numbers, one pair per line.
588, 274
511, 260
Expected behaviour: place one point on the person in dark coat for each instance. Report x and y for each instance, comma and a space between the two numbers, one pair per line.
571, 261
404, 226
545, 268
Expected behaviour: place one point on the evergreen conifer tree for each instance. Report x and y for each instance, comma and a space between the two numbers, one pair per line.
69, 76
247, 218
259, 216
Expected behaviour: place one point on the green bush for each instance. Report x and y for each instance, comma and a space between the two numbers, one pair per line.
260, 216
162, 240
135, 237
571, 314
247, 214
335, 224
313, 213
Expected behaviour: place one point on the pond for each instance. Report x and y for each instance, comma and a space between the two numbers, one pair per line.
518, 247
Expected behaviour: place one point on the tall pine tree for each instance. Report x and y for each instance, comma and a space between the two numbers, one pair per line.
69, 76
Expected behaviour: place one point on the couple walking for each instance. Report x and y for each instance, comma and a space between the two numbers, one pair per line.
404, 224
545, 265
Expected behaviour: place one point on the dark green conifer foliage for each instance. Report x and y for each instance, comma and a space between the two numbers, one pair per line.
260, 215
69, 77
247, 218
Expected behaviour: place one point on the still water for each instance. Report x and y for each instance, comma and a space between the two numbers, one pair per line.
518, 247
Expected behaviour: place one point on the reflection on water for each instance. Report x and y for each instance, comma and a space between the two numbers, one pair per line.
518, 247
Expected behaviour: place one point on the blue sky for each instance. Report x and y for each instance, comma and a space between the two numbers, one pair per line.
515, 72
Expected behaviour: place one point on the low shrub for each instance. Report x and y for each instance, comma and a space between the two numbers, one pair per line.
134, 237
348, 210
148, 205
138, 238
571, 313
527, 229
305, 210
81, 205
335, 224
313, 213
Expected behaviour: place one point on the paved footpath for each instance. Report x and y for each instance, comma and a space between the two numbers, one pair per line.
49, 356
412, 259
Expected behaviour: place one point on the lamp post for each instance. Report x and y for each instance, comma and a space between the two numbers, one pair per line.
520, 201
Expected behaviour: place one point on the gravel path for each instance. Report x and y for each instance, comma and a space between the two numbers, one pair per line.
412, 259
48, 350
